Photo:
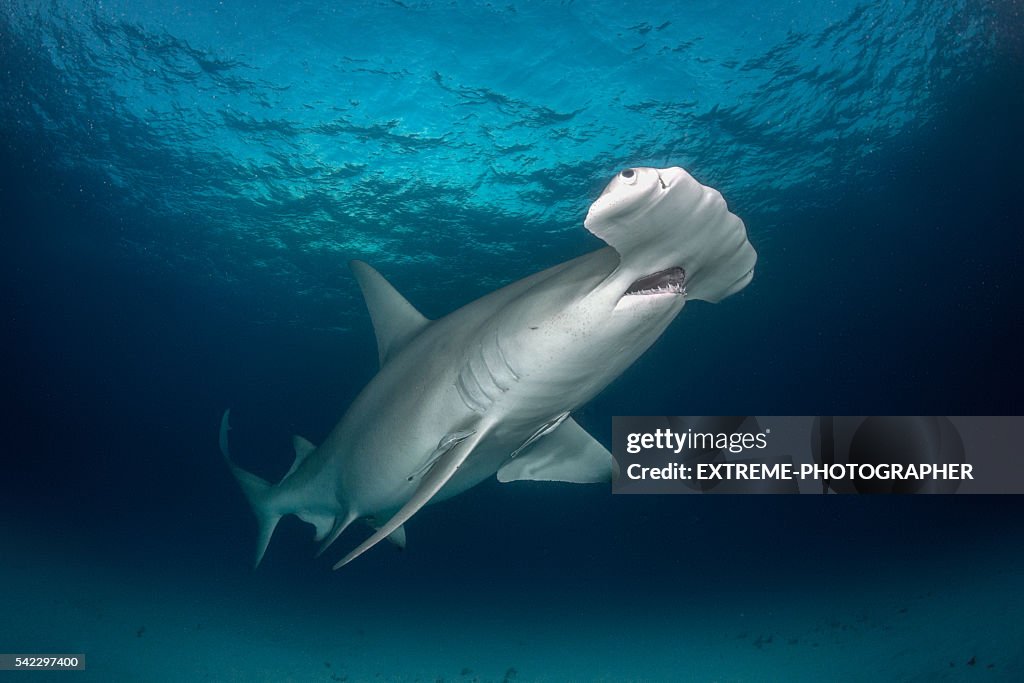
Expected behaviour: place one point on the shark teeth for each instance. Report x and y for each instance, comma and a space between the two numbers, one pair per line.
670, 281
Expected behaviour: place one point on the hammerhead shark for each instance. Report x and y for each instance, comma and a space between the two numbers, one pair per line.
489, 389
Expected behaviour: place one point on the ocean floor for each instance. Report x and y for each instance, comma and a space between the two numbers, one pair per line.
139, 622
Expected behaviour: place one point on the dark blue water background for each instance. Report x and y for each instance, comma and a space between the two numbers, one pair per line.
181, 187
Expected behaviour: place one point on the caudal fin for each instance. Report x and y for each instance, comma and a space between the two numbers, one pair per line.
257, 491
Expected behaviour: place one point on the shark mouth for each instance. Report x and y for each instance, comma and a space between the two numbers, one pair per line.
669, 281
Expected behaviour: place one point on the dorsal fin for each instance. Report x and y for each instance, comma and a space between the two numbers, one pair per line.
395, 320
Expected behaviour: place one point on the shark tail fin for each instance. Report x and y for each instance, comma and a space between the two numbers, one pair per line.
258, 492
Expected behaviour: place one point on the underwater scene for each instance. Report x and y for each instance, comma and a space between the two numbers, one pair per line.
184, 185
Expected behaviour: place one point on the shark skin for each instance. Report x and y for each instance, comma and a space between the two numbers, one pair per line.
489, 389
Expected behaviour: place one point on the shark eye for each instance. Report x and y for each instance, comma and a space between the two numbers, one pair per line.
629, 175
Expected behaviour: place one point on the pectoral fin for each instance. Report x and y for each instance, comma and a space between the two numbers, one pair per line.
451, 452
568, 454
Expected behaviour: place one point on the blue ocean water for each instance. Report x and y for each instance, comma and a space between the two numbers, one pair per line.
181, 186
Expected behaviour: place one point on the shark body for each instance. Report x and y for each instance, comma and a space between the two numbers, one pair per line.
489, 388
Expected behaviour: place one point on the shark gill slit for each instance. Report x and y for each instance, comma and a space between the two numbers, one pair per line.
504, 359
467, 398
484, 376
475, 376
493, 376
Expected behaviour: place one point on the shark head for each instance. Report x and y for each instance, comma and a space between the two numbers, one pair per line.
674, 236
